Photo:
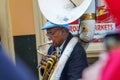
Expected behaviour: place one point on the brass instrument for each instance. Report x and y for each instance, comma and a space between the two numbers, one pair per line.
49, 64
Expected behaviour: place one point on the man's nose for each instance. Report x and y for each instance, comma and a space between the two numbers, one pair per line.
49, 38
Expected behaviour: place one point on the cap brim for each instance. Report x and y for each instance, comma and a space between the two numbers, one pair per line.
49, 25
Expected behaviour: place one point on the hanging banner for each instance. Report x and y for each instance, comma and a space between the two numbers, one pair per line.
104, 21
102, 12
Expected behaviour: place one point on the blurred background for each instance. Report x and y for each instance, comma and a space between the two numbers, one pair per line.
20, 28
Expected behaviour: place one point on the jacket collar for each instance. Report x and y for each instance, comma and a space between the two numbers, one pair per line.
69, 37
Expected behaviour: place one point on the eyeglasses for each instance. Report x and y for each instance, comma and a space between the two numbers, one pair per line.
51, 33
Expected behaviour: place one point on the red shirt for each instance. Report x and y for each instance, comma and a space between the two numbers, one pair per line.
112, 69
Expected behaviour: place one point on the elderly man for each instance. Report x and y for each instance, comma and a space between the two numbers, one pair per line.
62, 38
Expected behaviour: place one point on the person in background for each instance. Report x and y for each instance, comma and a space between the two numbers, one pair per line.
62, 39
111, 71
107, 66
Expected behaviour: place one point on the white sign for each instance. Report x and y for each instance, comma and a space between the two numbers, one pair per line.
101, 29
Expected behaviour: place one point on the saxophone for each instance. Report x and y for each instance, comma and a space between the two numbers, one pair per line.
49, 65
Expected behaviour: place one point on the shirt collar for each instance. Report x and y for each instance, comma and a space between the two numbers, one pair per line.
61, 47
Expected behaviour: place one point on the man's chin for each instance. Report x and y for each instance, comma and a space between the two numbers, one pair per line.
55, 45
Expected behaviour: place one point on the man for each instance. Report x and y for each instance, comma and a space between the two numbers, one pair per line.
61, 38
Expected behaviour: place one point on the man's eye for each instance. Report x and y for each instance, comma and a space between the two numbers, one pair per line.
50, 33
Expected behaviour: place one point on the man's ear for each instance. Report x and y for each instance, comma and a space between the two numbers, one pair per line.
61, 32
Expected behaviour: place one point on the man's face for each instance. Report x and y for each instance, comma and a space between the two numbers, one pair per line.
56, 35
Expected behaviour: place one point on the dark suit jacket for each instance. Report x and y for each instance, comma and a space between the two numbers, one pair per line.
75, 63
